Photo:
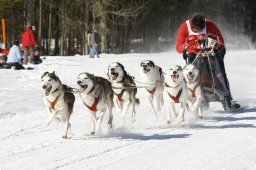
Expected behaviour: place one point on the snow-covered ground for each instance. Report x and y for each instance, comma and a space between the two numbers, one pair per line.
220, 141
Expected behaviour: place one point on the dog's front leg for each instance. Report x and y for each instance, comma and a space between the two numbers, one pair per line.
126, 105
197, 106
158, 100
150, 99
93, 122
117, 104
52, 116
180, 117
99, 121
171, 115
110, 116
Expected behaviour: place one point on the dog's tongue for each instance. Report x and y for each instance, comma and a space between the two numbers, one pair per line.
190, 78
174, 77
83, 88
113, 75
47, 91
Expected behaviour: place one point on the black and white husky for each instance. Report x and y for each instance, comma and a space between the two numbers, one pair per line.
58, 99
124, 90
192, 78
97, 96
176, 92
152, 77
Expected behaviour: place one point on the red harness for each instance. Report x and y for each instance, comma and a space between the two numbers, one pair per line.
151, 91
120, 95
176, 98
193, 92
53, 103
93, 107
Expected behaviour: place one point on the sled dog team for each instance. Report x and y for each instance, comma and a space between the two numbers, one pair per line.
100, 95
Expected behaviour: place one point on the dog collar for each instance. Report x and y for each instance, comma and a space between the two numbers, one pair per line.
56, 89
53, 103
93, 107
91, 89
177, 97
170, 86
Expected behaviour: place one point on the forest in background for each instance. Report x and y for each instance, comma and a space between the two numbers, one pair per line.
124, 25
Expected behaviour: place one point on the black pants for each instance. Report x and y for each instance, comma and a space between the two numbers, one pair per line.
17, 66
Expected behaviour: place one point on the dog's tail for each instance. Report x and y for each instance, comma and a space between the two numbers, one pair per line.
69, 97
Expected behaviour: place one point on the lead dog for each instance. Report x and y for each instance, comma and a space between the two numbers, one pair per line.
97, 96
124, 90
177, 93
58, 99
152, 77
192, 78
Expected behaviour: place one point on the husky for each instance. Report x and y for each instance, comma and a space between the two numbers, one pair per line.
192, 78
124, 89
97, 96
177, 93
152, 77
58, 99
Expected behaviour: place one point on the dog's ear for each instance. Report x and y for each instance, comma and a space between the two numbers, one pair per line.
151, 63
179, 67
122, 67
184, 67
90, 76
54, 76
45, 73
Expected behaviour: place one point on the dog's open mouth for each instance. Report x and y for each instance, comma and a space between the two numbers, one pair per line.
174, 77
48, 90
190, 77
83, 88
145, 70
113, 75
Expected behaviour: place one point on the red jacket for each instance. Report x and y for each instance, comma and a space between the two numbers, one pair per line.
4, 51
183, 33
28, 38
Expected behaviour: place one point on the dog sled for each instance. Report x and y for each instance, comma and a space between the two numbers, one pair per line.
214, 84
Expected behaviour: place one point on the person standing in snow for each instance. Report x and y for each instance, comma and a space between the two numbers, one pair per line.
194, 30
28, 44
93, 41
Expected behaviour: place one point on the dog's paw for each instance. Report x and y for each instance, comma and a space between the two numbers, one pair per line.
64, 136
110, 125
92, 133
48, 123
200, 117
168, 122
179, 119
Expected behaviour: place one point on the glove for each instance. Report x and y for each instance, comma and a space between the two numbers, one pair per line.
221, 51
185, 56
184, 53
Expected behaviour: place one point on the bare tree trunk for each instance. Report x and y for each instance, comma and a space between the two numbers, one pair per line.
49, 27
62, 28
40, 22
87, 12
31, 11
103, 33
